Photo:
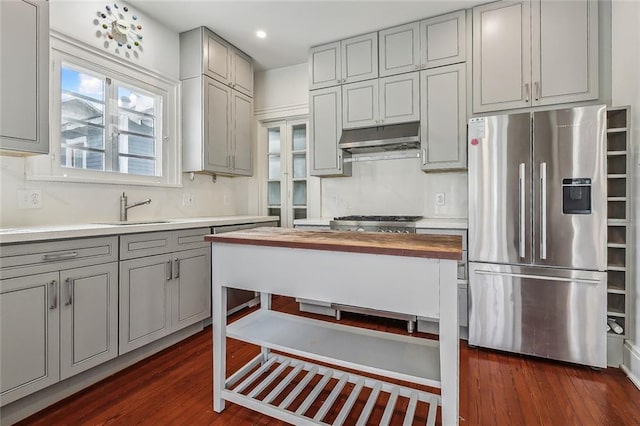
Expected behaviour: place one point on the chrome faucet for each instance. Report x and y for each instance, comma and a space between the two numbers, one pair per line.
124, 208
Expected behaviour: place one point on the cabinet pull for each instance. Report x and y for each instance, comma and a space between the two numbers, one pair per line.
53, 297
536, 86
69, 292
424, 156
417, 67
526, 92
169, 263
176, 272
60, 256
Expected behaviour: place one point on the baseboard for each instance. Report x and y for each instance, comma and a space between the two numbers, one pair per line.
631, 364
31, 404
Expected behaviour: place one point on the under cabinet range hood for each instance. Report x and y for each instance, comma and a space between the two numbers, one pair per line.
395, 137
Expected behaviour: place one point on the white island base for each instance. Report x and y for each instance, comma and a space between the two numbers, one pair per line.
302, 392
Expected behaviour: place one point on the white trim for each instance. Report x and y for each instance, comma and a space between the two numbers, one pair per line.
632, 354
281, 112
47, 168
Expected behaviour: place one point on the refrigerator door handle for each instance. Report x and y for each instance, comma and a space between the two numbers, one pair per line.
543, 210
521, 208
537, 277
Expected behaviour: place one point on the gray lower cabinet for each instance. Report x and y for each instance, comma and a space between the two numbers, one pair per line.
443, 122
24, 76
58, 312
161, 293
325, 129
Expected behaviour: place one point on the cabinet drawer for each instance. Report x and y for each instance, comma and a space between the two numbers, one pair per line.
191, 238
60, 254
147, 244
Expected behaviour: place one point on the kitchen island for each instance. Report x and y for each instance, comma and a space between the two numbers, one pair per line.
358, 269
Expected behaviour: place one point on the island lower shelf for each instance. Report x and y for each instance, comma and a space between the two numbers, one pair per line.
407, 358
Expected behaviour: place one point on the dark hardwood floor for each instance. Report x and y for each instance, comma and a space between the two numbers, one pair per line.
174, 387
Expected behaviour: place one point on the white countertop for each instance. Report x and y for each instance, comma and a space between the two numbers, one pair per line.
426, 223
55, 232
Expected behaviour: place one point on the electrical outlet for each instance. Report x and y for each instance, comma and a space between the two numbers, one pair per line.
187, 200
439, 198
29, 199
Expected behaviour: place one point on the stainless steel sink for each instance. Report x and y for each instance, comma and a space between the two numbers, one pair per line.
132, 222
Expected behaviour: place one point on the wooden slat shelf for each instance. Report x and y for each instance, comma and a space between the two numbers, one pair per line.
401, 357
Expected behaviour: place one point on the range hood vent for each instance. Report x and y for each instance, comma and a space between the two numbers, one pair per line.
396, 137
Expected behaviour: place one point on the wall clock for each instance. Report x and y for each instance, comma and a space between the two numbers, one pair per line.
119, 25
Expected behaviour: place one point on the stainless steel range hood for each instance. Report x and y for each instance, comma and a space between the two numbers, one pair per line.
396, 137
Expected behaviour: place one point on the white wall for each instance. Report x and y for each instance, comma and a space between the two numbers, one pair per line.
282, 88
73, 202
626, 91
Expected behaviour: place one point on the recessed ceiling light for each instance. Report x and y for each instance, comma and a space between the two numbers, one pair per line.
261, 34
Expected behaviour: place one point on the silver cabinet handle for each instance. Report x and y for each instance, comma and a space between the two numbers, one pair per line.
417, 67
69, 283
169, 263
521, 210
543, 210
536, 87
176, 269
53, 296
537, 277
424, 156
526, 92
60, 256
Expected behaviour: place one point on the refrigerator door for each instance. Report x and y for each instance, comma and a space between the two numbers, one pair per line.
569, 188
500, 189
552, 313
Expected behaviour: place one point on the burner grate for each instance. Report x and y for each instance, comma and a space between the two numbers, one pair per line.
379, 218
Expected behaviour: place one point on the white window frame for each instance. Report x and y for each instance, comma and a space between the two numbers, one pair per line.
77, 54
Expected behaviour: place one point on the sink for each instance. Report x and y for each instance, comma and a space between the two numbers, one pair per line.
133, 222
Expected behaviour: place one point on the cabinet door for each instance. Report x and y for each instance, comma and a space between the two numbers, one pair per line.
217, 58
325, 129
88, 317
399, 98
145, 309
217, 126
399, 49
360, 104
359, 58
443, 40
501, 56
242, 141
242, 72
324, 66
29, 327
443, 123
24, 76
564, 49
191, 292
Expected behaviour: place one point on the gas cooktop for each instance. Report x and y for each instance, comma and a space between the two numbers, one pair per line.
379, 218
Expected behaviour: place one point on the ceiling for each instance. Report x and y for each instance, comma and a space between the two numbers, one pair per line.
291, 26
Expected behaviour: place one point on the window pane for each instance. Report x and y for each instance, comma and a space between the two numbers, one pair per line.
273, 197
274, 167
300, 193
81, 85
137, 145
274, 140
299, 214
274, 212
299, 166
137, 166
136, 112
300, 137
82, 159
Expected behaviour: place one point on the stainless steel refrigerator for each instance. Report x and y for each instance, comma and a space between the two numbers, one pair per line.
537, 234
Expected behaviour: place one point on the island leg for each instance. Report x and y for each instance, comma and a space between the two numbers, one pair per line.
219, 320
265, 303
449, 343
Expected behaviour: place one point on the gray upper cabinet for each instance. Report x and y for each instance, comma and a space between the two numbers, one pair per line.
534, 53
399, 49
443, 118
387, 100
359, 58
24, 76
325, 129
324, 66
241, 134
443, 40
204, 52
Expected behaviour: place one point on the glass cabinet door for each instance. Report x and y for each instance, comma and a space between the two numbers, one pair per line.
287, 170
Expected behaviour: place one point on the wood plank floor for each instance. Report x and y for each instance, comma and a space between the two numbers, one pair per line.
174, 387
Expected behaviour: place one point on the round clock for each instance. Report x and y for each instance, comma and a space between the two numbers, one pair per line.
120, 26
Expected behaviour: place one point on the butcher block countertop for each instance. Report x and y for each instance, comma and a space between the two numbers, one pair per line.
410, 245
